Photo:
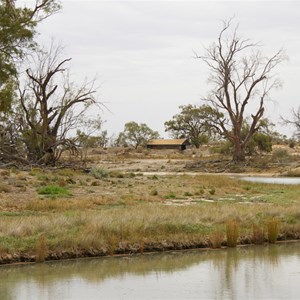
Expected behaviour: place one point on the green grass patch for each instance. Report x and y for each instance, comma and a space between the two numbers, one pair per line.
54, 190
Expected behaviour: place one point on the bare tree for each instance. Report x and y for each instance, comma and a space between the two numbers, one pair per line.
51, 106
295, 121
240, 75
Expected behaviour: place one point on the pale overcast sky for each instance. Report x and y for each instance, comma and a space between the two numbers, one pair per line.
142, 51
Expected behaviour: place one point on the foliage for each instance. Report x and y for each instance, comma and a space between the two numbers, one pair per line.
17, 31
240, 75
261, 140
135, 135
92, 141
192, 123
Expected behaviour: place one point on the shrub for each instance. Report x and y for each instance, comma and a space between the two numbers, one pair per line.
232, 233
99, 173
292, 144
154, 192
280, 155
212, 190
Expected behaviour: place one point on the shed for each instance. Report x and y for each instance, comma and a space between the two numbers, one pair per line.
175, 144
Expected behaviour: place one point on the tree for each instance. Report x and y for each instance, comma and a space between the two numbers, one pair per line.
135, 135
240, 75
49, 108
94, 136
192, 123
294, 121
17, 30
261, 140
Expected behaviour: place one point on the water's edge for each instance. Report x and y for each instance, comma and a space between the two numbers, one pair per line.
27, 259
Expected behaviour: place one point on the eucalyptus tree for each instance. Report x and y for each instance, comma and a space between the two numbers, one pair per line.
193, 122
136, 134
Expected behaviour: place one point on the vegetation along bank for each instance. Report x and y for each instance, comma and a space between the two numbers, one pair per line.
62, 213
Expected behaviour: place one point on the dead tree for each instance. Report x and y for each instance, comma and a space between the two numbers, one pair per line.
240, 75
51, 106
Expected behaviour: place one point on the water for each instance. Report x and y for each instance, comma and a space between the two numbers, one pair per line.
256, 272
273, 180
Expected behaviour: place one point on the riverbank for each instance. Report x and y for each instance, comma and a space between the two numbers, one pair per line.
58, 214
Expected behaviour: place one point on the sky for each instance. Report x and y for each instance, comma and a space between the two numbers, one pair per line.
143, 52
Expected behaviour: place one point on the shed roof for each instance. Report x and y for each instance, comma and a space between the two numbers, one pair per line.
167, 142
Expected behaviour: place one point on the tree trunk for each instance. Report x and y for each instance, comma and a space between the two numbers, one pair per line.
238, 152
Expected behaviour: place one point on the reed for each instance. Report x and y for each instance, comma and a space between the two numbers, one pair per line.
41, 249
112, 244
232, 233
273, 230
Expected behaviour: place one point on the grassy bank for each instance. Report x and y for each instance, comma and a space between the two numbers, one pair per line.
60, 214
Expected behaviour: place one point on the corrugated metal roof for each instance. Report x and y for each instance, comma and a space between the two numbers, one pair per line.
167, 142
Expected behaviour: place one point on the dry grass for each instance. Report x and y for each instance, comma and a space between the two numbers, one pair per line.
258, 234
216, 238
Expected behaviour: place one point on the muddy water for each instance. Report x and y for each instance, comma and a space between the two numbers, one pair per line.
256, 272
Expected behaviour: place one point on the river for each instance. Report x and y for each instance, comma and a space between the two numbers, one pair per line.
254, 272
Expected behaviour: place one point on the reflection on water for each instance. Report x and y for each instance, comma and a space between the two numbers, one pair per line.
273, 180
256, 272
